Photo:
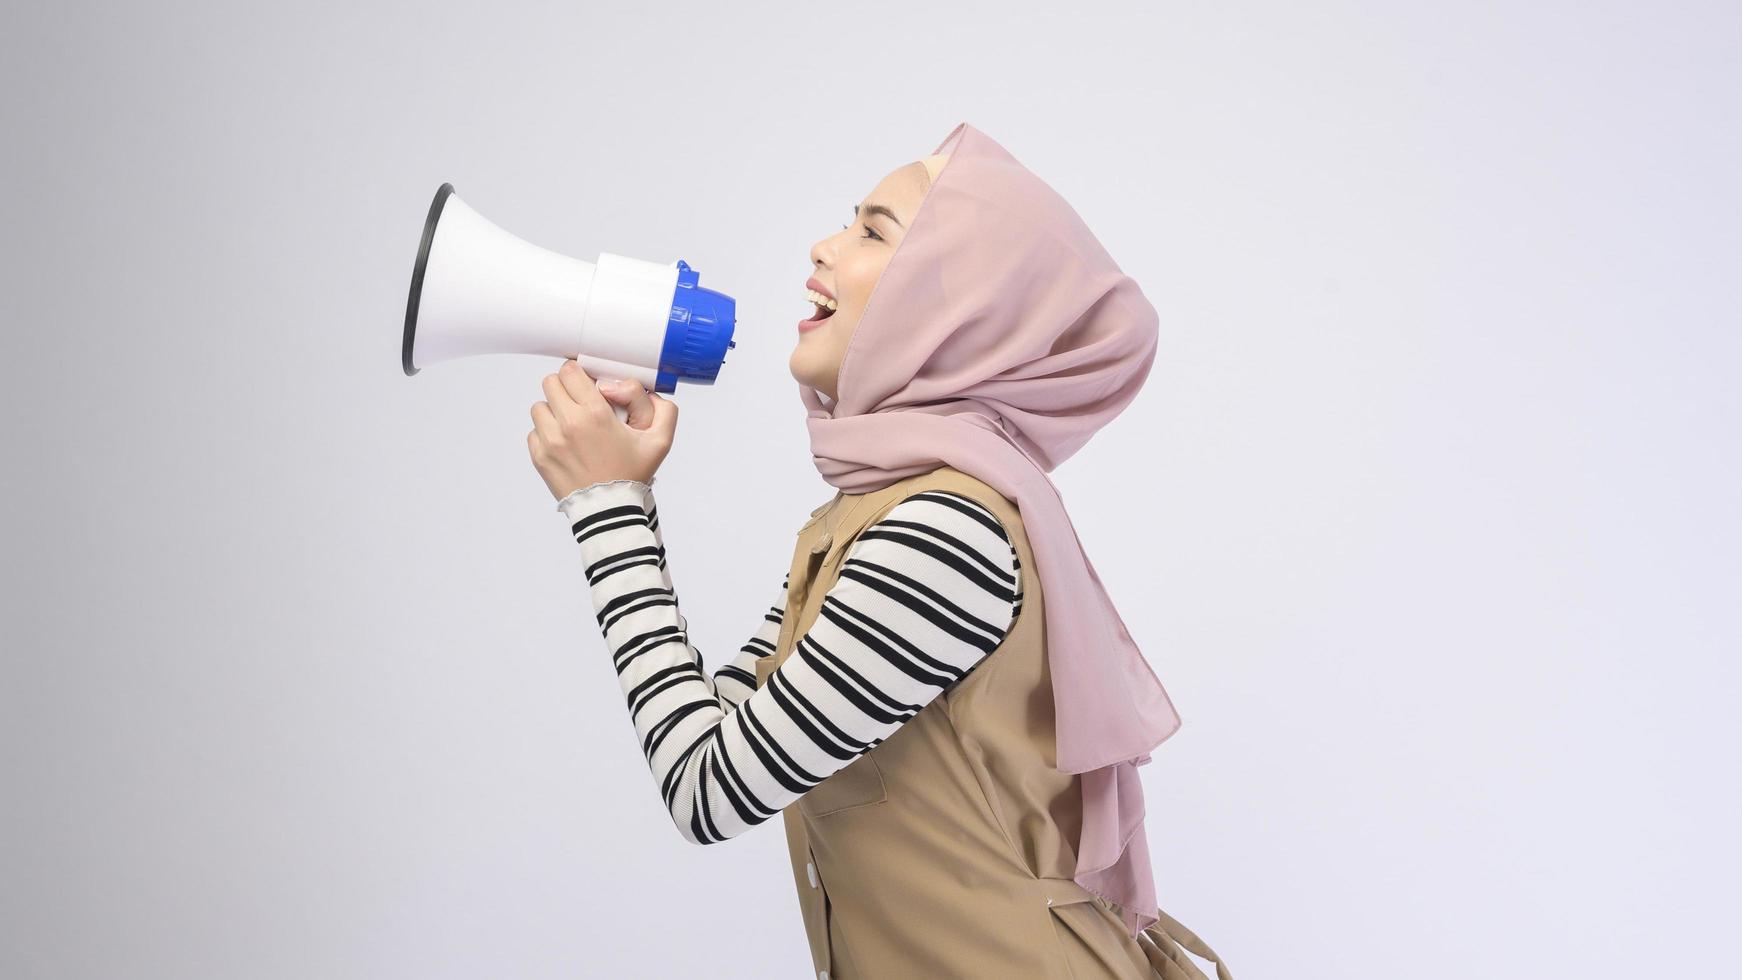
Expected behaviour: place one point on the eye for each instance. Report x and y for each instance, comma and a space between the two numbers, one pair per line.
870, 232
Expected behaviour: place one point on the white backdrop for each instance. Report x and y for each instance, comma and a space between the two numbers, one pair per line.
1437, 468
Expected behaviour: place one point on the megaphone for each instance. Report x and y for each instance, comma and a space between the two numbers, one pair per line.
477, 289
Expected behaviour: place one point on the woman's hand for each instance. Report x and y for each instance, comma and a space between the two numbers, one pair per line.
577, 441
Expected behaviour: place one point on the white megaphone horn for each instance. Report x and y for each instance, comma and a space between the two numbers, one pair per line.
477, 289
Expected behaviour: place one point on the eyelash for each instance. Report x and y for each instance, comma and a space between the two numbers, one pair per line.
872, 235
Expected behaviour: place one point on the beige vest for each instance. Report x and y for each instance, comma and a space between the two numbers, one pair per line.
947, 850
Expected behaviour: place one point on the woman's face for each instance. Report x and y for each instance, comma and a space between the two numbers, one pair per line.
848, 265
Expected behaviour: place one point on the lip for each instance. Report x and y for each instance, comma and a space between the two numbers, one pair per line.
812, 323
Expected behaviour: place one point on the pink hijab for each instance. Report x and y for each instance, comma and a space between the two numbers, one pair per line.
999, 338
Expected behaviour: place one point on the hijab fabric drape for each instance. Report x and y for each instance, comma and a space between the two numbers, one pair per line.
1000, 337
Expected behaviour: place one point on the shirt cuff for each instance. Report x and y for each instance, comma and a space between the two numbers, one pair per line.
604, 494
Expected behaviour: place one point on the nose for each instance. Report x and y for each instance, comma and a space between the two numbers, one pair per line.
823, 252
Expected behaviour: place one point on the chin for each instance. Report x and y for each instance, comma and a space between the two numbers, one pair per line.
800, 373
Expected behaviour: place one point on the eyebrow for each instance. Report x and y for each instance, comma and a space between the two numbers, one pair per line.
880, 209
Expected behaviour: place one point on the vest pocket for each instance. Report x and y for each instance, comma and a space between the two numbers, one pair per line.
859, 784
1094, 943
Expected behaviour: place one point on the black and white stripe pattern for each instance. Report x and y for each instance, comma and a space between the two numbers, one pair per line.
923, 596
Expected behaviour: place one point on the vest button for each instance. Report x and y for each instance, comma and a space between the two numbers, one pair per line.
810, 870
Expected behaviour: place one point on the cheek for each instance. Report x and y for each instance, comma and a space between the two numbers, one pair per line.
837, 330
855, 279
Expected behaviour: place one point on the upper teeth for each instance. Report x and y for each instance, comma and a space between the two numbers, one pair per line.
819, 299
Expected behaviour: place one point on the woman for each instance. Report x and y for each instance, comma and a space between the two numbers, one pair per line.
942, 702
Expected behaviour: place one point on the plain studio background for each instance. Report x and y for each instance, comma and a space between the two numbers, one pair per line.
1437, 469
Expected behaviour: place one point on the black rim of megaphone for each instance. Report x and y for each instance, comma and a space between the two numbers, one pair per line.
429, 229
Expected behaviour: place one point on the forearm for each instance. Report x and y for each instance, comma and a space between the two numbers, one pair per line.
672, 702
733, 681
616, 525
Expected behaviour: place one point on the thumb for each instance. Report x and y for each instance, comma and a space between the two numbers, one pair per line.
632, 396
664, 415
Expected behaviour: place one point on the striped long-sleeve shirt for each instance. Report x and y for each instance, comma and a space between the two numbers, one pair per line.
923, 596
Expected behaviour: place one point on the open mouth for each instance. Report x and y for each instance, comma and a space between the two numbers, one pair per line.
822, 306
